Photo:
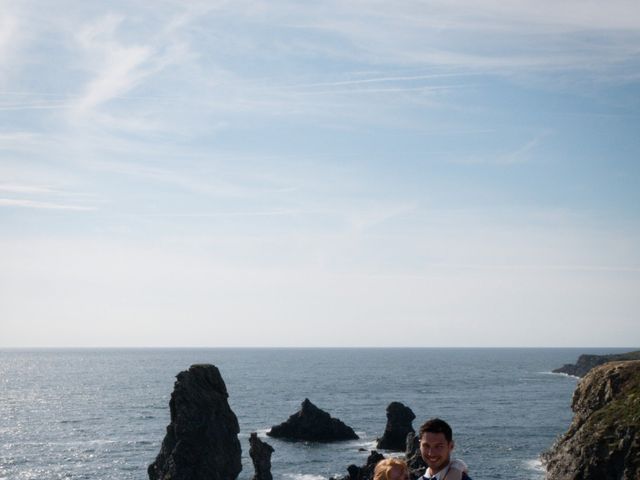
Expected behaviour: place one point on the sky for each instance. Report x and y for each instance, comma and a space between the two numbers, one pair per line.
336, 173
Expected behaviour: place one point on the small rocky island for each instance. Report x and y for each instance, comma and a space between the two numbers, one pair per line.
312, 424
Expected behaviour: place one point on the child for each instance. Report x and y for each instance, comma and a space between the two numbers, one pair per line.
391, 469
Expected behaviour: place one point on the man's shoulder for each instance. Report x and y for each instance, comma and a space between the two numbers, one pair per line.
466, 477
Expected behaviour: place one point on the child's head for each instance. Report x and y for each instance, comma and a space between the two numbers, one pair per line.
391, 469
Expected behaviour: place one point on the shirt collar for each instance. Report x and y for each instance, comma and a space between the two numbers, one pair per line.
438, 476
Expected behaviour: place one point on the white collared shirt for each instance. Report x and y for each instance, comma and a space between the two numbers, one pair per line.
454, 463
440, 475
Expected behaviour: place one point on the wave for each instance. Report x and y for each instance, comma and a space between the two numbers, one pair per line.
262, 433
304, 476
535, 465
562, 374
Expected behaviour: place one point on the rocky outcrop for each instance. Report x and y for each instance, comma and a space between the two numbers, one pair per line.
399, 418
413, 456
587, 362
312, 424
260, 453
201, 442
365, 472
602, 442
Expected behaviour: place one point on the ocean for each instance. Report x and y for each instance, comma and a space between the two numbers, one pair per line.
102, 414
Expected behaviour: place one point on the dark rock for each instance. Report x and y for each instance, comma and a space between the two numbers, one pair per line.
399, 418
260, 453
413, 456
312, 424
587, 362
602, 442
202, 439
365, 472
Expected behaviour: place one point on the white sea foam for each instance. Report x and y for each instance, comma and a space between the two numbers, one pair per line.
535, 465
365, 443
262, 433
304, 476
562, 374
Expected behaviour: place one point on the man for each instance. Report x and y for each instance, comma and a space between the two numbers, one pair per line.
436, 445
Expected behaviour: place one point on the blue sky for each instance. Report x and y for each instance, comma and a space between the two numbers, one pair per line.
330, 174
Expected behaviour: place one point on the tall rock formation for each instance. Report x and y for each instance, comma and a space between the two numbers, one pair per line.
260, 453
201, 442
399, 418
314, 425
602, 442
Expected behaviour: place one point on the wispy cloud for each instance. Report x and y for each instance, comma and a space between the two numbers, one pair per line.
118, 68
22, 203
383, 79
264, 213
25, 189
9, 31
44, 197
518, 155
490, 36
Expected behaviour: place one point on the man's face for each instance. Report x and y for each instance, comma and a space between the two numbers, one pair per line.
435, 450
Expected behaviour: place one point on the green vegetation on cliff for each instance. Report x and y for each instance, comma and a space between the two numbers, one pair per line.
602, 442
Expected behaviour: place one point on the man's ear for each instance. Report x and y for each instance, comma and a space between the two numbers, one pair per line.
451, 445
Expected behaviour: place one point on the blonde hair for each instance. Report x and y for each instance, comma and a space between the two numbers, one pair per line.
384, 467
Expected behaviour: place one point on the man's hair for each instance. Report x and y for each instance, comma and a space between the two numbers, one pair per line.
436, 425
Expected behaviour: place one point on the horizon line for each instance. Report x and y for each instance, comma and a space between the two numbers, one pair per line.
289, 347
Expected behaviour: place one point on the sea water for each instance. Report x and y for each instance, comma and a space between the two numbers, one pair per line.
102, 414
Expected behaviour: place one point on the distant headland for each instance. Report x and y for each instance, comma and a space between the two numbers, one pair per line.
586, 362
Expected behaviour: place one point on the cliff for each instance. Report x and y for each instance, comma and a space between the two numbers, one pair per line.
587, 362
602, 442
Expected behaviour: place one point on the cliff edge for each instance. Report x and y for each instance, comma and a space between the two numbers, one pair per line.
602, 442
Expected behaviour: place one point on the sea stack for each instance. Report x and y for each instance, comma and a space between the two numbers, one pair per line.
260, 453
312, 424
201, 442
399, 419
602, 442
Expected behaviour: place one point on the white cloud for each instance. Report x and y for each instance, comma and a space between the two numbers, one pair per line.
518, 155
25, 189
488, 36
119, 68
24, 203
9, 41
